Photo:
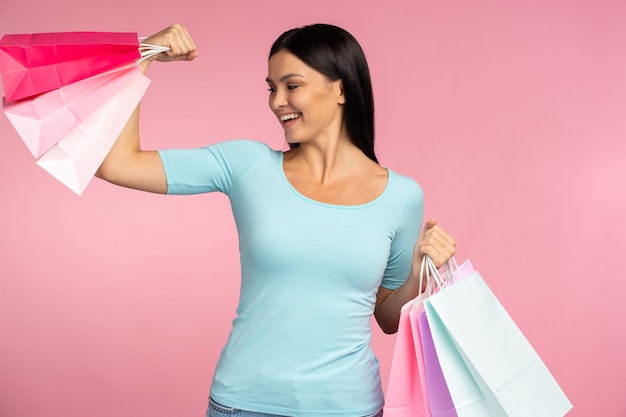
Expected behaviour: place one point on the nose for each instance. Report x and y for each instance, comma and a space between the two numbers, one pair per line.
278, 99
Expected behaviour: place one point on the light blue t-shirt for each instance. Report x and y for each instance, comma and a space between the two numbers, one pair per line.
300, 343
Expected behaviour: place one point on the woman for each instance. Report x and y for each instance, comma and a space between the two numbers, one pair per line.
327, 235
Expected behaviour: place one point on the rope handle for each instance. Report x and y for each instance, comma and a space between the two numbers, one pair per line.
148, 50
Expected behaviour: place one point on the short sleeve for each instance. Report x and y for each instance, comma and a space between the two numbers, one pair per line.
407, 233
211, 168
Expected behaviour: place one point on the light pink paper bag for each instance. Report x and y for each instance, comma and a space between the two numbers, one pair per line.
77, 157
406, 392
42, 121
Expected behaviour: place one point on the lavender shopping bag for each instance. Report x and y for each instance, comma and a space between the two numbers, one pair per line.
439, 399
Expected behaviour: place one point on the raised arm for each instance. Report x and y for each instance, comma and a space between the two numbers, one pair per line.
127, 164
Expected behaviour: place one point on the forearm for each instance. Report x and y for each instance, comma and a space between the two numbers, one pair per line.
388, 309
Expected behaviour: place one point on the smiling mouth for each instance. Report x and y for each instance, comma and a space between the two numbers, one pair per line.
291, 116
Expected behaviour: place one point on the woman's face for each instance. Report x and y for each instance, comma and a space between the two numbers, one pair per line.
308, 106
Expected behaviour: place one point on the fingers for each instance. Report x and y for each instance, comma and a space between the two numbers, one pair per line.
430, 223
181, 45
178, 39
437, 243
432, 229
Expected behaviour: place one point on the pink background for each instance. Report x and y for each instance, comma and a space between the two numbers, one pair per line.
511, 114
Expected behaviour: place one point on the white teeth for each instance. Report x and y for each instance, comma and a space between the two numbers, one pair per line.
291, 116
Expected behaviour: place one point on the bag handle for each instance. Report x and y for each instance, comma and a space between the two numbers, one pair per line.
443, 276
429, 289
148, 50
436, 279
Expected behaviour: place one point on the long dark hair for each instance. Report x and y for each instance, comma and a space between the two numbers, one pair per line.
335, 53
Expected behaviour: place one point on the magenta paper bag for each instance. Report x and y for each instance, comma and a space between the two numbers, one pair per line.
441, 404
32, 64
77, 157
406, 391
42, 121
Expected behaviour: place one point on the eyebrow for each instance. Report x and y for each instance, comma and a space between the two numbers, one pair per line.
285, 77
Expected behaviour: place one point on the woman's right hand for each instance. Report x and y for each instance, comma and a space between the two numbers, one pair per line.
177, 38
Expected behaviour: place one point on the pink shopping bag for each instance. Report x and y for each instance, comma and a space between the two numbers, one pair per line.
406, 392
42, 121
32, 64
77, 156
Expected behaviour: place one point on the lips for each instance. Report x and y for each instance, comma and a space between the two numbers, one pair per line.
288, 119
289, 116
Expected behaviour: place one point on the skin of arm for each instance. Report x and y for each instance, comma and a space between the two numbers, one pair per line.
127, 164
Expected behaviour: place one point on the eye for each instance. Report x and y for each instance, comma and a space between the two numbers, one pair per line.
292, 86
271, 89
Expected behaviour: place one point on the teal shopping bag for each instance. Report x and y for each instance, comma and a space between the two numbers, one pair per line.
475, 330
468, 399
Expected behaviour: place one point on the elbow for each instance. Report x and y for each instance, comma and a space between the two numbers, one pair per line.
387, 326
99, 174
111, 169
103, 172
389, 329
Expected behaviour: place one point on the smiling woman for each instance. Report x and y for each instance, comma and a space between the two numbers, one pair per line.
337, 56
307, 104
349, 247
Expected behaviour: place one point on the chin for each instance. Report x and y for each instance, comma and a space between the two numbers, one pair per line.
292, 141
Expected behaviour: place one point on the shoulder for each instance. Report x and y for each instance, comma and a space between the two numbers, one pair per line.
239, 151
408, 204
406, 186
240, 145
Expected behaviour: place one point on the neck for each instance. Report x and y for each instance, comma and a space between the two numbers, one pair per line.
327, 160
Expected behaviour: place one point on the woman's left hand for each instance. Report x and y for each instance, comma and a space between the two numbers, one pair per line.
434, 242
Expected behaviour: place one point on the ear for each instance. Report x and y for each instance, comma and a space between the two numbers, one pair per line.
341, 98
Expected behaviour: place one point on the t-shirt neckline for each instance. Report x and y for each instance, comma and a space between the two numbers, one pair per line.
321, 203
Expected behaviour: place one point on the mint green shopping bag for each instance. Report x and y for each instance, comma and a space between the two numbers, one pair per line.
464, 390
474, 331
